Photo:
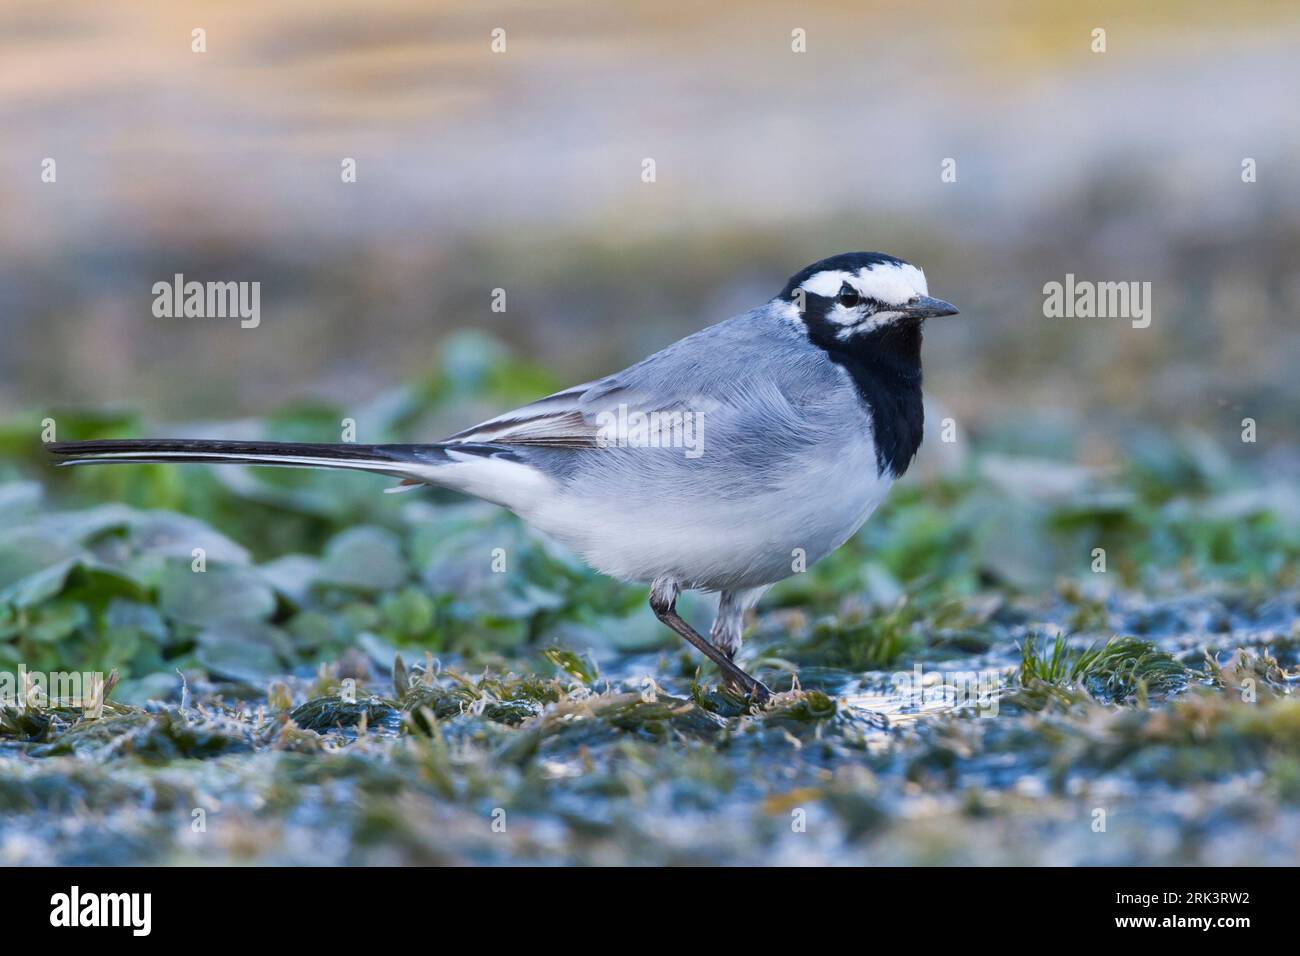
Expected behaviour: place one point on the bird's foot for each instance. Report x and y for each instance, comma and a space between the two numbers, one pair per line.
663, 601
750, 687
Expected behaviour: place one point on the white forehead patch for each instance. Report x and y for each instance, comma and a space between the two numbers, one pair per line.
890, 283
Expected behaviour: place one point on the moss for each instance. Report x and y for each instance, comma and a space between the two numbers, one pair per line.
857, 640
1122, 669
326, 713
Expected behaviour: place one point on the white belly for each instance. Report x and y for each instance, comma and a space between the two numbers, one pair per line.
713, 541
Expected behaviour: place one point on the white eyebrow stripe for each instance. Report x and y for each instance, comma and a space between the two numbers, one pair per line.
891, 283
827, 283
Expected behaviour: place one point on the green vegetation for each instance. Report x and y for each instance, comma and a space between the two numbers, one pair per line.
337, 675
1120, 669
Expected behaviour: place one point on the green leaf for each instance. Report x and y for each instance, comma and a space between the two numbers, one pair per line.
55, 622
222, 593
364, 559
242, 651
292, 576
37, 586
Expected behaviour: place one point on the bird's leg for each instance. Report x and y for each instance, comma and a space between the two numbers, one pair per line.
729, 625
663, 601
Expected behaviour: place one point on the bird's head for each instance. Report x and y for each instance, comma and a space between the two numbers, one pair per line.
848, 296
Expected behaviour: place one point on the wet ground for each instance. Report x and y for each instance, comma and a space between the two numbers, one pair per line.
1180, 749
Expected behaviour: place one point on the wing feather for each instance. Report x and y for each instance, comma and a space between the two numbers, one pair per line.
573, 418
714, 372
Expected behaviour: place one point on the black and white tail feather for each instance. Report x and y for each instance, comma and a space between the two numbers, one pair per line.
411, 463
562, 420
488, 461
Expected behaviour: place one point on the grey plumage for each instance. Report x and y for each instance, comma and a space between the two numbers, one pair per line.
784, 466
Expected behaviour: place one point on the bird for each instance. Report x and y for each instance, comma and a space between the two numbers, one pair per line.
730, 460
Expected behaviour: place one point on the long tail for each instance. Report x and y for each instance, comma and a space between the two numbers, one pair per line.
401, 461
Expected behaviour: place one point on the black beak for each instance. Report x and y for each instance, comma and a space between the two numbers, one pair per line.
924, 307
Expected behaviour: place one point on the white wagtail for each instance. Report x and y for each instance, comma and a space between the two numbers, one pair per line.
804, 412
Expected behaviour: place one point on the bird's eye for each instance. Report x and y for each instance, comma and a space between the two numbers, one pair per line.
848, 296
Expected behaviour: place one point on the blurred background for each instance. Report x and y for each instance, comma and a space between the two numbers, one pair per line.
522, 170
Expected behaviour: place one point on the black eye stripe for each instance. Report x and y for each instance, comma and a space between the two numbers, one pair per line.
849, 298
